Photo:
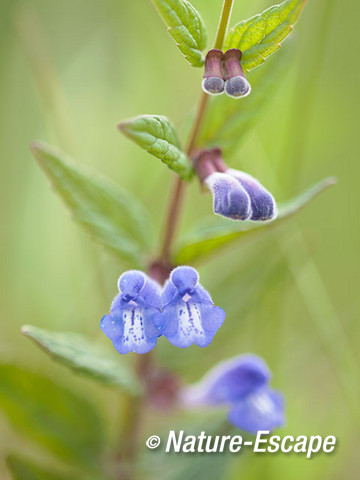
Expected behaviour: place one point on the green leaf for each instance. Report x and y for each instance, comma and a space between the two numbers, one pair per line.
111, 216
261, 35
186, 27
82, 356
227, 122
156, 135
51, 416
23, 469
210, 240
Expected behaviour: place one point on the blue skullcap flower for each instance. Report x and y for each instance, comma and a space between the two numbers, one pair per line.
130, 324
240, 196
230, 199
188, 313
240, 383
263, 205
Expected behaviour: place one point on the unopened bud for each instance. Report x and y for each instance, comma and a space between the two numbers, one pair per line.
213, 79
236, 84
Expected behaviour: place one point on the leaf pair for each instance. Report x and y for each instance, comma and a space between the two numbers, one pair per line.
257, 38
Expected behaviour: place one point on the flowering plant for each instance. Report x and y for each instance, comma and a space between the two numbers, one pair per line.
160, 297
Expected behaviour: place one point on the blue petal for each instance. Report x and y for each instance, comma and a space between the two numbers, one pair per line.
230, 198
130, 324
188, 322
230, 381
263, 205
262, 410
131, 282
184, 278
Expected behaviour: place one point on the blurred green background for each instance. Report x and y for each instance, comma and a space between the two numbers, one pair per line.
70, 71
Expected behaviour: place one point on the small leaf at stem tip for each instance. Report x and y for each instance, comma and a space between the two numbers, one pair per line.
156, 135
207, 241
82, 356
261, 35
112, 216
186, 27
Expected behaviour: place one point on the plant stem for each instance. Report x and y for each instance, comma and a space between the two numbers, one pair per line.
224, 20
164, 260
178, 191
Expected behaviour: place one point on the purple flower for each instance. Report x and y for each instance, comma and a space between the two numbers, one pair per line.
130, 324
188, 313
240, 196
240, 383
230, 198
263, 205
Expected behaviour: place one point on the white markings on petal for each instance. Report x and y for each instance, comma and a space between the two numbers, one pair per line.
190, 328
134, 330
262, 403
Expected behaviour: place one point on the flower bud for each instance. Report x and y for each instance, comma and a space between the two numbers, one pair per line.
236, 84
263, 205
213, 79
229, 198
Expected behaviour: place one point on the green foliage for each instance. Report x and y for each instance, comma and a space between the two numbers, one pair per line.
186, 27
208, 241
110, 215
156, 135
227, 122
82, 356
261, 35
24, 469
51, 416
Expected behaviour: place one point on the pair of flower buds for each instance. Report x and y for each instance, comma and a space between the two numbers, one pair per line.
236, 195
182, 311
223, 72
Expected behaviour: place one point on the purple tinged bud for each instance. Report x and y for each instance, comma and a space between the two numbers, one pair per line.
213, 81
263, 205
236, 84
229, 198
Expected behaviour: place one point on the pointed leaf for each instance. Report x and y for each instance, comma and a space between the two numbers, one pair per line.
209, 241
24, 469
261, 35
82, 356
186, 27
156, 135
112, 217
51, 416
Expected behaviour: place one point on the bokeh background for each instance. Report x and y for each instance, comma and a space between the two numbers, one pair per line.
70, 71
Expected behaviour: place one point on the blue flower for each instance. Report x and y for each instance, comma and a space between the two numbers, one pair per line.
188, 313
263, 205
240, 383
239, 196
230, 199
130, 324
